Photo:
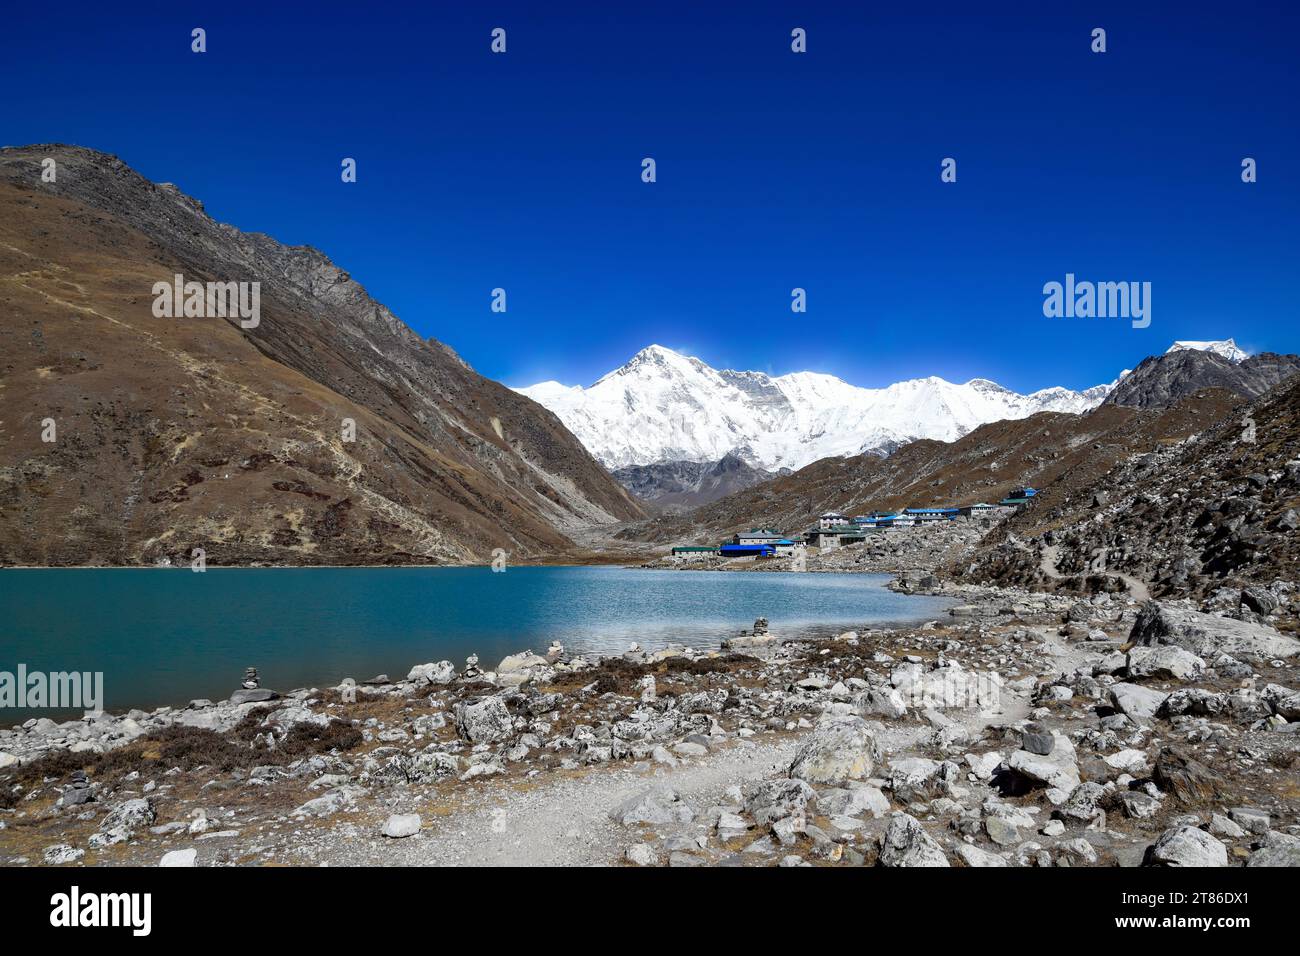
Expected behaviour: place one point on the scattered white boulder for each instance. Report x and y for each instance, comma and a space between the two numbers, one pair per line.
62, 853
485, 720
838, 750
1165, 662
401, 825
642, 854
1186, 846
442, 672
184, 858
655, 806
1057, 770
1139, 703
1127, 761
974, 856
906, 844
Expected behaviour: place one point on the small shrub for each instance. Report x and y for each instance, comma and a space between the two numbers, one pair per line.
306, 739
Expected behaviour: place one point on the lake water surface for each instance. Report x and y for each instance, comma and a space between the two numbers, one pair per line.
166, 636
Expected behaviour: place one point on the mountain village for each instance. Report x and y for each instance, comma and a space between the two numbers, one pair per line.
834, 530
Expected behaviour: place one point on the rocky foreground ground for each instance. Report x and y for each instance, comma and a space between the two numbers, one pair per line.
1023, 729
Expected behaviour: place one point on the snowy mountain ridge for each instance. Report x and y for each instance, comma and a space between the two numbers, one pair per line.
665, 406
1227, 348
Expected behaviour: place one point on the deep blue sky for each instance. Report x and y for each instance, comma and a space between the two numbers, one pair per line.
775, 170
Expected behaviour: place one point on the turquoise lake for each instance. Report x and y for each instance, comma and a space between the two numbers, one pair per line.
168, 636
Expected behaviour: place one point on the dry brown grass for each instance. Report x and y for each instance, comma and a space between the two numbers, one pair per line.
187, 748
618, 676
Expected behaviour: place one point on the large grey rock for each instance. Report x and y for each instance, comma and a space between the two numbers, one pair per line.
1194, 700
880, 702
62, 853
1037, 740
401, 825
974, 856
642, 854
1209, 636
1002, 831
1186, 779
330, 803
1139, 703
1260, 600
905, 843
179, 858
442, 672
1084, 805
485, 720
1077, 849
108, 836
1186, 846
1057, 769
1283, 701
1138, 805
1165, 662
983, 765
420, 767
656, 806
1278, 849
1221, 826
776, 799
131, 815
838, 750
946, 688
520, 662
252, 695
287, 718
1129, 760
852, 801
1251, 818
907, 775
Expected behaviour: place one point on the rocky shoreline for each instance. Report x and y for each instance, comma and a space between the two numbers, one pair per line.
1022, 728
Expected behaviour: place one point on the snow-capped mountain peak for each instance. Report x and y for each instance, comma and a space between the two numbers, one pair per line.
1226, 348
665, 406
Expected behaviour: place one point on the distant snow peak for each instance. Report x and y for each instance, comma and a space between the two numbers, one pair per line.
665, 406
1226, 348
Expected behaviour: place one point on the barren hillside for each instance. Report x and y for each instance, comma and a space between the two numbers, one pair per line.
179, 433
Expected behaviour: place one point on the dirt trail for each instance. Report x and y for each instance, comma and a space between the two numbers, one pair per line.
1052, 554
563, 822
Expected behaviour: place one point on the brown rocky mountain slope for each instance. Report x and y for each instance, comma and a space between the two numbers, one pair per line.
678, 486
1217, 511
984, 465
179, 433
1162, 380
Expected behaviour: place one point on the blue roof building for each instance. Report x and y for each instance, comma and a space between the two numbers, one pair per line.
748, 550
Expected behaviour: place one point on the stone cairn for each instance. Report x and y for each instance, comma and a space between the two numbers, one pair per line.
760, 626
77, 792
471, 668
250, 679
